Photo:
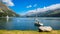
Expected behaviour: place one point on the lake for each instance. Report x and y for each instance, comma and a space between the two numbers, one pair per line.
17, 23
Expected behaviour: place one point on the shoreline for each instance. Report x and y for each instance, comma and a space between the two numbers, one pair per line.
27, 32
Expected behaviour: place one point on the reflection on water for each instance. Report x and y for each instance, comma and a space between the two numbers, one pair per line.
28, 23
3, 22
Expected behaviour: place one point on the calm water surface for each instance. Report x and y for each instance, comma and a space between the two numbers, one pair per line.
28, 23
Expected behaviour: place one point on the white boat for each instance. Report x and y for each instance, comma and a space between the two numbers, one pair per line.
37, 23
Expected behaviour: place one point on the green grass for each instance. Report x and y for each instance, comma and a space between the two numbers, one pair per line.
27, 32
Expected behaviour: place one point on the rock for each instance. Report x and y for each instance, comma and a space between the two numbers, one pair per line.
45, 28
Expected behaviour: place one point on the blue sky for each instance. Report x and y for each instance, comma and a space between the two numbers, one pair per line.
23, 6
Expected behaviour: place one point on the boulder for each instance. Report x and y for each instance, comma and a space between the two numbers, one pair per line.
45, 28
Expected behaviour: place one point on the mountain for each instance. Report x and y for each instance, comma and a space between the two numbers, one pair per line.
55, 13
49, 13
4, 11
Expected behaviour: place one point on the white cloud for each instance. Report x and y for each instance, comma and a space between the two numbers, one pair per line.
51, 7
29, 6
8, 2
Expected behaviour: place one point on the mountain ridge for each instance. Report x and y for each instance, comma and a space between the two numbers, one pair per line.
49, 13
7, 11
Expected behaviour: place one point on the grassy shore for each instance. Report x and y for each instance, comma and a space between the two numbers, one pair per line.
27, 32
